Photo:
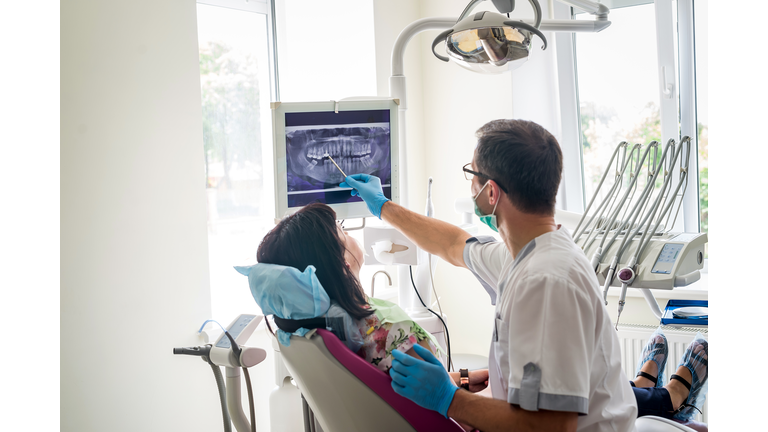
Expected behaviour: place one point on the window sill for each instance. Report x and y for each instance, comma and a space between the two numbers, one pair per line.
698, 290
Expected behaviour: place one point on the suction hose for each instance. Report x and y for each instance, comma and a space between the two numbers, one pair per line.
222, 396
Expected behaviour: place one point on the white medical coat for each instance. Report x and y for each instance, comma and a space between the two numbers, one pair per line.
554, 346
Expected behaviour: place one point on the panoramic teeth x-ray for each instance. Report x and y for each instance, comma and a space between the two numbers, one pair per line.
355, 149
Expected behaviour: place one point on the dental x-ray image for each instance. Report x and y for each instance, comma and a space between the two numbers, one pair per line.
358, 141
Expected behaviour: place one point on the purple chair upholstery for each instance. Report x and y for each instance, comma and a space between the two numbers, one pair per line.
421, 419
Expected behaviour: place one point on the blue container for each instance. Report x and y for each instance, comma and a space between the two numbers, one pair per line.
668, 319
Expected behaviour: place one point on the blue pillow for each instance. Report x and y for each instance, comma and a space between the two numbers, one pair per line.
288, 293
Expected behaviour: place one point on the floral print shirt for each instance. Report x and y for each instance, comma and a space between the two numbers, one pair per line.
384, 332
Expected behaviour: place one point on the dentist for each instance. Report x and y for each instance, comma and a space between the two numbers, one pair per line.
554, 360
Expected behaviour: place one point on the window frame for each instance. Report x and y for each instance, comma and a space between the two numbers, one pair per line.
264, 7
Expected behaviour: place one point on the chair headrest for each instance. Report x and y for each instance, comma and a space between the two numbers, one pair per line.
287, 293
290, 294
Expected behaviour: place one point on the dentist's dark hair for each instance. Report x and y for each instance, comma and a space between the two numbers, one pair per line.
310, 237
525, 159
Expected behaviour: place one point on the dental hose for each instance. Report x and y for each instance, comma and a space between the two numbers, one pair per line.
648, 232
237, 351
222, 396
579, 230
430, 212
204, 352
633, 215
250, 399
447, 336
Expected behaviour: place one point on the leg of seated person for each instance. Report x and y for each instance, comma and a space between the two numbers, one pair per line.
655, 401
650, 368
677, 390
650, 399
663, 401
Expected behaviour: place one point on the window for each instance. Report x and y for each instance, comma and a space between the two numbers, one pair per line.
236, 67
604, 65
325, 49
622, 74
239, 77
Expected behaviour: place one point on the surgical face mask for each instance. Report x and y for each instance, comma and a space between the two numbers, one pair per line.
490, 219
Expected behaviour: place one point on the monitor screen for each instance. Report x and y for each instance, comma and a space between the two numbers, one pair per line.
357, 141
319, 144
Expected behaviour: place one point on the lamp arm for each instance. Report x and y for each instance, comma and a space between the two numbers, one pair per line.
600, 10
537, 14
580, 26
411, 30
470, 7
504, 7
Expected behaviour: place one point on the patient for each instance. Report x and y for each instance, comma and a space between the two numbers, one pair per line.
311, 236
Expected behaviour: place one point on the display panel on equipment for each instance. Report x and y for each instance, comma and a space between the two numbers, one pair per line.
358, 141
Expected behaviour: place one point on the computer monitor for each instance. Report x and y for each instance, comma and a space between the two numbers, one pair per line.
360, 135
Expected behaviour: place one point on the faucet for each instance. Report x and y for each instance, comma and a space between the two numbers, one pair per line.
373, 279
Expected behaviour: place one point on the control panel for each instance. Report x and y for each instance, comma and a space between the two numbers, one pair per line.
235, 329
666, 260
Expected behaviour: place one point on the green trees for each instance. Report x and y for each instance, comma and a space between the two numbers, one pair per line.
231, 117
601, 133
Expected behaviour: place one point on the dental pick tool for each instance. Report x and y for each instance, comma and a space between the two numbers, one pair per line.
334, 162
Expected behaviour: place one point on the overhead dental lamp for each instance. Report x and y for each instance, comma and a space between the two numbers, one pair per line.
485, 42
489, 42
492, 43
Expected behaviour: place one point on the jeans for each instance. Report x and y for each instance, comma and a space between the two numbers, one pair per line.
653, 401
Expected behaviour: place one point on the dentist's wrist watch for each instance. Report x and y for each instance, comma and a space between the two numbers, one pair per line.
464, 380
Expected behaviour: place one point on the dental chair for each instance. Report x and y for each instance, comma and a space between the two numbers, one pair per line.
346, 393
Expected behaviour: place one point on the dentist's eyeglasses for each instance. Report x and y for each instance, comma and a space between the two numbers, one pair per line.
469, 174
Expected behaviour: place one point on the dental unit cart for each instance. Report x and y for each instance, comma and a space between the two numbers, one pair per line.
227, 351
629, 236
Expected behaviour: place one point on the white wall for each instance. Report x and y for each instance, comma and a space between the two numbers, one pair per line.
390, 18
134, 264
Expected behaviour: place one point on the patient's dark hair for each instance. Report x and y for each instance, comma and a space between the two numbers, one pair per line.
310, 236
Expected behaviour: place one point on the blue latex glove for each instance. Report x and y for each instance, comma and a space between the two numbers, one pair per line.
425, 382
368, 187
